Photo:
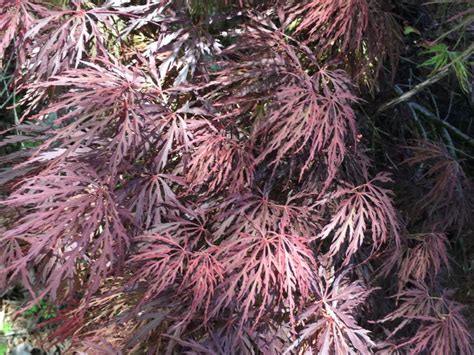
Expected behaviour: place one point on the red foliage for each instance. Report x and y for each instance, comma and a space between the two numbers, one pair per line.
16, 19
447, 188
331, 320
421, 259
72, 219
442, 328
366, 206
196, 181
354, 28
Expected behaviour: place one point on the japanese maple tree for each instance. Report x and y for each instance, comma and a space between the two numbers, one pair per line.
194, 178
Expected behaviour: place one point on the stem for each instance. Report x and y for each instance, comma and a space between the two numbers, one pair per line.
421, 86
432, 117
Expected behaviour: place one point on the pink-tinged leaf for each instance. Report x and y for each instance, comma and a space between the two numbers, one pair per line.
329, 322
16, 18
181, 46
63, 38
362, 210
447, 197
220, 163
348, 28
73, 222
443, 329
272, 268
420, 259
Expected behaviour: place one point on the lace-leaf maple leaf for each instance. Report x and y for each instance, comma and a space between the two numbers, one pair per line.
350, 28
181, 47
254, 213
151, 199
362, 209
447, 185
421, 260
163, 260
307, 113
263, 272
63, 38
330, 325
313, 115
16, 18
443, 329
73, 224
173, 266
219, 163
107, 101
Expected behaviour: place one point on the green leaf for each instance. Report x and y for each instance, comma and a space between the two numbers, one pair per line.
7, 327
442, 57
214, 67
409, 29
32, 311
294, 24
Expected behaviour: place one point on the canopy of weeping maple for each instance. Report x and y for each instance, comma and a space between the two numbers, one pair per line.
197, 176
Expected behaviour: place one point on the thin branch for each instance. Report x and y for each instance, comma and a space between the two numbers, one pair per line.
416, 89
432, 117
421, 86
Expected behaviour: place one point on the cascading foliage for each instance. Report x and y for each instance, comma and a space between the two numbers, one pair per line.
194, 177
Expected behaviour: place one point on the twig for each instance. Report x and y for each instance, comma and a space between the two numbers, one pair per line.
431, 80
414, 114
416, 89
432, 117
449, 142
